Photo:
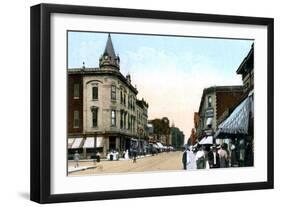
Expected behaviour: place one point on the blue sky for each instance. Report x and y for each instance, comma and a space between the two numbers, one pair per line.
166, 66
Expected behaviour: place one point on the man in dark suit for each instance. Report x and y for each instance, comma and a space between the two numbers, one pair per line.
184, 158
213, 158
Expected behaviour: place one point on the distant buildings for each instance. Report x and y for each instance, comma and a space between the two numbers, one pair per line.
164, 135
177, 137
103, 110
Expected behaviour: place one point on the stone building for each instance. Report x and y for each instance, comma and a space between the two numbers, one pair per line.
106, 115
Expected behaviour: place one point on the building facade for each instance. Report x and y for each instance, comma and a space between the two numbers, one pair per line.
108, 109
177, 138
214, 102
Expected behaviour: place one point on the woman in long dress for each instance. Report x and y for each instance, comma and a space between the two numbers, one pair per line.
191, 165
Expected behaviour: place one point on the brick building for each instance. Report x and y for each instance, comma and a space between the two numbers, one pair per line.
215, 101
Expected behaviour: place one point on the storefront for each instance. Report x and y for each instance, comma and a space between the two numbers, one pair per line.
73, 145
91, 146
236, 132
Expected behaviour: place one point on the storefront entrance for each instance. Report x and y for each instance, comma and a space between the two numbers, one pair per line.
112, 143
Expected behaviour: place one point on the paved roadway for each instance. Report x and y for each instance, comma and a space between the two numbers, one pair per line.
162, 161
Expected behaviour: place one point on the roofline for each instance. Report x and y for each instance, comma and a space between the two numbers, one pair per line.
97, 71
219, 89
241, 66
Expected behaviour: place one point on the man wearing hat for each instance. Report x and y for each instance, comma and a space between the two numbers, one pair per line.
213, 158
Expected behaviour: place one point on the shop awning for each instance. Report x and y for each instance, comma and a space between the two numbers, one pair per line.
99, 142
89, 143
160, 145
155, 146
206, 140
238, 121
77, 142
70, 142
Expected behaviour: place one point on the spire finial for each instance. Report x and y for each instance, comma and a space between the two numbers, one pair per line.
109, 57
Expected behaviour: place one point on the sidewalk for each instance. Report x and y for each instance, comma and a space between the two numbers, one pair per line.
77, 169
120, 159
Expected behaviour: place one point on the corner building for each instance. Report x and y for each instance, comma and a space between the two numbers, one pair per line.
110, 110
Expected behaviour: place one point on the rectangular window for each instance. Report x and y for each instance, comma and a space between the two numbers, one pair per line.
95, 116
76, 88
125, 117
76, 119
113, 118
113, 92
95, 93
129, 122
209, 101
121, 97
121, 119
124, 99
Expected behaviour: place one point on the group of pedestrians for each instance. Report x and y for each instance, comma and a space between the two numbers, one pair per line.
203, 159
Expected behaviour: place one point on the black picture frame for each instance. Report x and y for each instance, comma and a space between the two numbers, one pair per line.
41, 95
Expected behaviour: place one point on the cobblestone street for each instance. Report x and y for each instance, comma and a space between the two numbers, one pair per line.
162, 161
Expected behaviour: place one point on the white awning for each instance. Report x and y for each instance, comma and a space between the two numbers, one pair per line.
160, 145
238, 121
99, 142
70, 142
155, 146
89, 143
206, 140
77, 142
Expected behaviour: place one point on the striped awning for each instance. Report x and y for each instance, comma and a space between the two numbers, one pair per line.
70, 142
206, 140
89, 143
238, 121
77, 143
99, 142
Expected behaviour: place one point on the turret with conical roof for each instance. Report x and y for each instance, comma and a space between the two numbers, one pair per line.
109, 59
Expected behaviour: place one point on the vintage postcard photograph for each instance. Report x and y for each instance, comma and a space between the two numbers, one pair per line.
148, 102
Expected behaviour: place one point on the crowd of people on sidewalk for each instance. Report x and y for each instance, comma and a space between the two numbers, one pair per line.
203, 157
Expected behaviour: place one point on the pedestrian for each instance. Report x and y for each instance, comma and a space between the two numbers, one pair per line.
126, 156
223, 157
94, 157
98, 156
233, 161
185, 158
200, 159
192, 160
134, 156
249, 155
76, 158
213, 158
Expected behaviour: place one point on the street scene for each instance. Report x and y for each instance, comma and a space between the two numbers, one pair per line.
146, 103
